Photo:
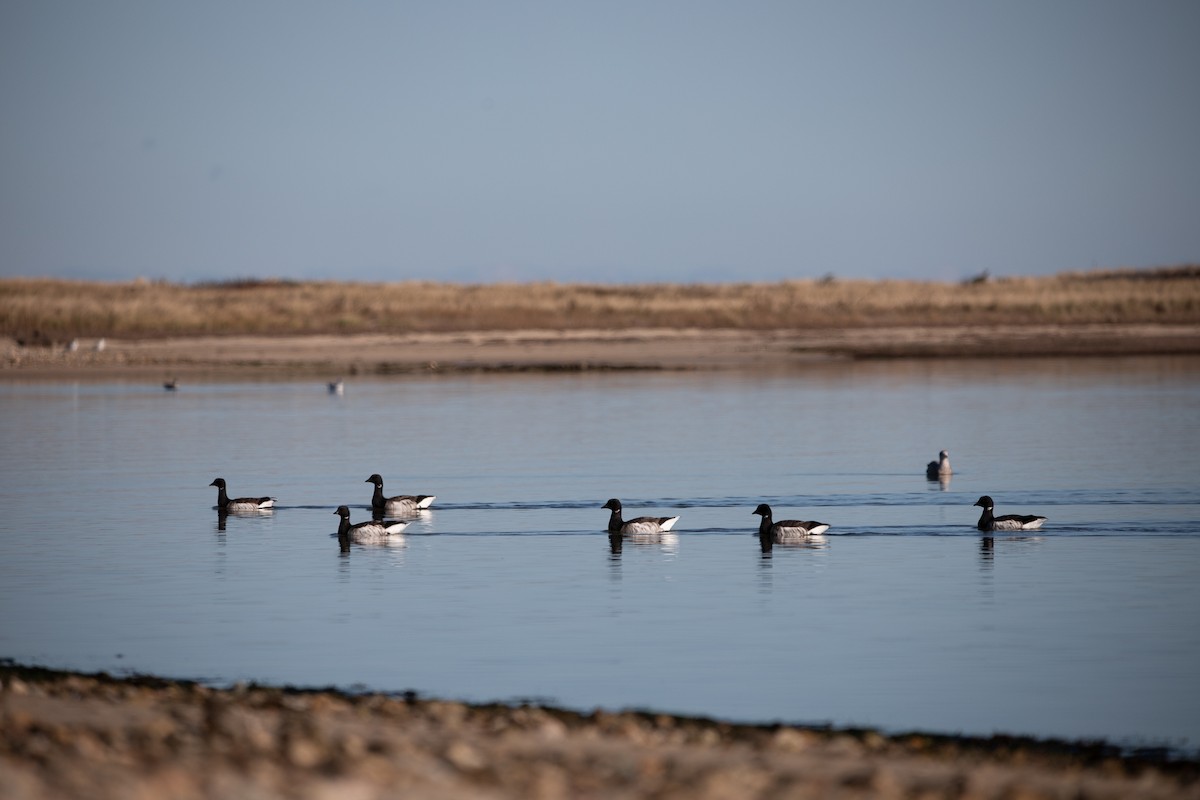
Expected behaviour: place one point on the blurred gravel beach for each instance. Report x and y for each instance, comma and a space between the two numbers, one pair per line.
72, 735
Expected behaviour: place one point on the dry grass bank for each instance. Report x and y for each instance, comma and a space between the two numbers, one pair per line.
45, 310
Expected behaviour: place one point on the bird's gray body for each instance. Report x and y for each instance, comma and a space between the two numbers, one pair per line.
787, 528
400, 504
1009, 522
638, 525
225, 503
370, 531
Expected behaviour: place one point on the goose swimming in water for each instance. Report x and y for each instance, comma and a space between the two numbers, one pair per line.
400, 504
638, 525
240, 503
368, 531
940, 468
786, 528
1009, 522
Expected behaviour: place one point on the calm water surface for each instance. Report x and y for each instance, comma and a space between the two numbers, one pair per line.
902, 617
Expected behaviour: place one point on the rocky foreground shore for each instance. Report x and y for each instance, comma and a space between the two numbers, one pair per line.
94, 736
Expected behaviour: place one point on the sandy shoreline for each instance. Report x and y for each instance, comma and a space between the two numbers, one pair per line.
73, 735
573, 351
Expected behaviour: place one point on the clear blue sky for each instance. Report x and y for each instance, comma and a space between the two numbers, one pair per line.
607, 141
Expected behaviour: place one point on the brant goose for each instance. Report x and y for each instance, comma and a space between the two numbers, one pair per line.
400, 504
367, 531
638, 525
337, 387
240, 503
940, 468
786, 528
171, 385
1009, 522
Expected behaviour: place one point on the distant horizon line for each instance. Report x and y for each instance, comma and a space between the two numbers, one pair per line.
1182, 269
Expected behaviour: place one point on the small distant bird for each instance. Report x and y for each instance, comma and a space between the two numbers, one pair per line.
368, 531
337, 387
171, 385
786, 528
240, 503
100, 345
637, 525
1009, 522
401, 503
940, 468
73, 346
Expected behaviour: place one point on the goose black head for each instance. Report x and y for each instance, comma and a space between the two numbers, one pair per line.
763, 510
614, 504
342, 511
218, 482
985, 502
375, 479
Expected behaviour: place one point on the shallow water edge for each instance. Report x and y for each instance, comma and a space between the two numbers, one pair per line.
569, 352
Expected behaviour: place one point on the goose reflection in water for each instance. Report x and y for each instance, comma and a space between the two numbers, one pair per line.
767, 543
224, 514
987, 546
941, 483
389, 543
378, 515
666, 542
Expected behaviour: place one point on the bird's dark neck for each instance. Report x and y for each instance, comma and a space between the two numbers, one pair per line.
614, 520
986, 520
377, 498
343, 526
222, 497
764, 527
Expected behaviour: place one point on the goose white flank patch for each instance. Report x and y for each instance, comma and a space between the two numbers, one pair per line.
370, 531
224, 503
786, 528
640, 525
940, 468
337, 387
1008, 522
400, 504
